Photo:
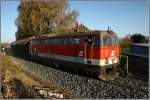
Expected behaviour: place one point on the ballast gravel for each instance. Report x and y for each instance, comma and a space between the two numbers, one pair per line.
88, 87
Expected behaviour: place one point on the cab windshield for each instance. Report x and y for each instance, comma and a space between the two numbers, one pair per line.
105, 41
110, 41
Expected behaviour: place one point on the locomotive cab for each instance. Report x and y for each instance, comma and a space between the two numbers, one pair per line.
109, 56
102, 50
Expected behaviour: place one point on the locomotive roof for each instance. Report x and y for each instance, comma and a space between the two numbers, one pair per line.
25, 41
77, 34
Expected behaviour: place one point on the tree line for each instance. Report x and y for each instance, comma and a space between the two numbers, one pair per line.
135, 38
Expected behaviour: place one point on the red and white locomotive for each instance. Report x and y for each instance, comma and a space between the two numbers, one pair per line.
95, 51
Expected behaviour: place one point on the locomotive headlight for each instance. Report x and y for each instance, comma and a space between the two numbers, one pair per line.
89, 40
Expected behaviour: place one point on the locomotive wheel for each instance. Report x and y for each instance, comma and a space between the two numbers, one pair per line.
108, 73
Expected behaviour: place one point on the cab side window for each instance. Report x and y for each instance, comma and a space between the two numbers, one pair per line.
97, 41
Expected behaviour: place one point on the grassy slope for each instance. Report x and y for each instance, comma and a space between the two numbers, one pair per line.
16, 71
28, 80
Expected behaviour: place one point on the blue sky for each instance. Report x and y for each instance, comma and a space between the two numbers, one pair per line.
123, 16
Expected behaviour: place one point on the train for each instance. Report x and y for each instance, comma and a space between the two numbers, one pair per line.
94, 51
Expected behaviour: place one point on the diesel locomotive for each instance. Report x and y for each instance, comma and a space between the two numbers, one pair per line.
93, 51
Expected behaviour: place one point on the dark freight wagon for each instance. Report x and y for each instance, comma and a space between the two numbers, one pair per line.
138, 59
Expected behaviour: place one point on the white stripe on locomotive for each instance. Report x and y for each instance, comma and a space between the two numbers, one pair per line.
97, 62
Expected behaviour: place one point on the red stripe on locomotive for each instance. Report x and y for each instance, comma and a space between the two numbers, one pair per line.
101, 52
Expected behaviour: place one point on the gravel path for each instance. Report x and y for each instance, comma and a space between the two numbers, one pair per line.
89, 87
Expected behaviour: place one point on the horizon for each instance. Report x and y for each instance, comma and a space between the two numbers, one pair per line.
124, 17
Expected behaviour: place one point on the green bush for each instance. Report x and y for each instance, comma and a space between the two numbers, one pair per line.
125, 48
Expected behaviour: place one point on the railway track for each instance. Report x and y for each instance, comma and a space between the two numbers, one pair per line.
88, 87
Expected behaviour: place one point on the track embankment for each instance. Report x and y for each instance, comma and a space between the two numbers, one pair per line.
18, 83
87, 87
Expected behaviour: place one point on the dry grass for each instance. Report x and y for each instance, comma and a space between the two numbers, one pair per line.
16, 71
8, 66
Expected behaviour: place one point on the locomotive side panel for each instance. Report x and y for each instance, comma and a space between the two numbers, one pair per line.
81, 52
100, 50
